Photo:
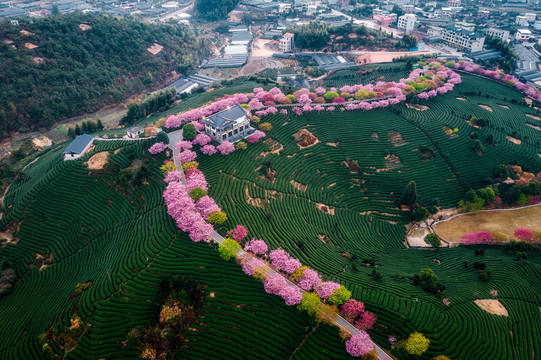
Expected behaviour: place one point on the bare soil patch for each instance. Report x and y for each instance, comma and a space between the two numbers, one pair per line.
486, 107
449, 131
535, 117
392, 162
504, 106
8, 231
38, 60
461, 99
326, 209
275, 148
416, 236
504, 222
396, 138
492, 306
257, 202
418, 107
98, 161
26, 32
42, 142
298, 186
513, 140
538, 128
260, 50
305, 138
84, 27
325, 239
30, 46
155, 49
332, 144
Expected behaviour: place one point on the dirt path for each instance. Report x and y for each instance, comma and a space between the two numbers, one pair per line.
7, 188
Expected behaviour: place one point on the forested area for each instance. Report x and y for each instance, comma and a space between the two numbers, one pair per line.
318, 35
55, 69
214, 9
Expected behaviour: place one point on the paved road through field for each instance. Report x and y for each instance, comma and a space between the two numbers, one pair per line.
174, 138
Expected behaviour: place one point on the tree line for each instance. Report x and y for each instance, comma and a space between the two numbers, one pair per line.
214, 10
159, 101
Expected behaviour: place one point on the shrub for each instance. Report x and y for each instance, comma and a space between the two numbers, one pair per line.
168, 167
190, 165
310, 303
228, 249
188, 132
241, 145
433, 239
265, 126
217, 217
340, 296
417, 344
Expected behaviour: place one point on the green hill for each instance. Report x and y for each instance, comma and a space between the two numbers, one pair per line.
63, 66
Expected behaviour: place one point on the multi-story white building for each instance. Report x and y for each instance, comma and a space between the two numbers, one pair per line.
498, 33
531, 17
286, 42
521, 20
453, 3
463, 39
407, 23
523, 35
284, 8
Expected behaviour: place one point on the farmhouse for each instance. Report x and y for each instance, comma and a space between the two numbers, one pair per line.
78, 147
135, 131
228, 125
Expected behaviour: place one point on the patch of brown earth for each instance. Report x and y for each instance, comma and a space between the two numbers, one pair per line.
492, 306
257, 202
504, 106
486, 107
325, 239
38, 60
303, 133
84, 27
461, 99
535, 117
528, 100
330, 186
42, 142
117, 151
26, 32
475, 126
534, 127
298, 186
275, 148
418, 107
155, 49
449, 131
366, 212
332, 144
513, 140
374, 136
392, 162
325, 208
44, 260
8, 231
30, 46
396, 138
284, 124
98, 161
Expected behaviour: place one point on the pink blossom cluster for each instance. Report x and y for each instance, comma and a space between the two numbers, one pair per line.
291, 295
157, 148
359, 344
186, 156
258, 247
196, 180
201, 140
446, 302
274, 284
326, 289
238, 233
352, 309
366, 321
226, 148
283, 261
481, 237
309, 280
181, 207
209, 150
206, 205
494, 293
256, 136
173, 176
252, 264
184, 145
525, 235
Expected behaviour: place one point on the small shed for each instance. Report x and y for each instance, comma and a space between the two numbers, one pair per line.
78, 147
135, 131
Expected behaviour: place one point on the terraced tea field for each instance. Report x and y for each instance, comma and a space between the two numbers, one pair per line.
362, 220
122, 240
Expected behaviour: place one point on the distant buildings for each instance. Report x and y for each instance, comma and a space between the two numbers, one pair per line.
407, 23
286, 42
523, 35
408, 9
483, 14
384, 19
78, 147
521, 20
453, 3
497, 33
463, 39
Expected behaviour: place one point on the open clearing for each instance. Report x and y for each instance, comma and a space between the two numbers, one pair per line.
98, 161
155, 49
504, 222
492, 306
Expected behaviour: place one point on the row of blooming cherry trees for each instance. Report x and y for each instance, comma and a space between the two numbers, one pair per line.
491, 238
427, 82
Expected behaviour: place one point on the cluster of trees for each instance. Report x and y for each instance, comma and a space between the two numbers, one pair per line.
159, 101
87, 126
11, 164
179, 304
428, 281
72, 72
214, 10
136, 173
509, 57
316, 35
7, 277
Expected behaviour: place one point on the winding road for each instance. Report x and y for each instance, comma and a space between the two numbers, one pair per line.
174, 138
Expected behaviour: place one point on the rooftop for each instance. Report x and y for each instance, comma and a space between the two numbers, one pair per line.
226, 117
288, 35
79, 144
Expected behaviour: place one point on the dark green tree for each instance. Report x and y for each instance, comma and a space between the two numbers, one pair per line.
78, 130
162, 137
188, 132
71, 133
409, 196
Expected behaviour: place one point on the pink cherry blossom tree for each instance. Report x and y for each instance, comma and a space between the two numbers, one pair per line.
238, 233
226, 148
201, 139
326, 289
258, 247
186, 156
157, 148
274, 284
359, 344
252, 264
309, 280
291, 295
352, 309
184, 145
366, 321
209, 150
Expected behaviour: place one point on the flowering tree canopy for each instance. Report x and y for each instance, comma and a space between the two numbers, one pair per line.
291, 295
187, 156
228, 249
359, 344
201, 139
157, 148
352, 309
239, 233
209, 150
417, 344
309, 280
274, 284
258, 247
226, 148
184, 145
326, 289
252, 264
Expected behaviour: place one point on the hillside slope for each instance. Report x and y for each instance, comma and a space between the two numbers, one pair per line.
64, 66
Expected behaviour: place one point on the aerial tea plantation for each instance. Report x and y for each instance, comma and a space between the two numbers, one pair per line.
331, 215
